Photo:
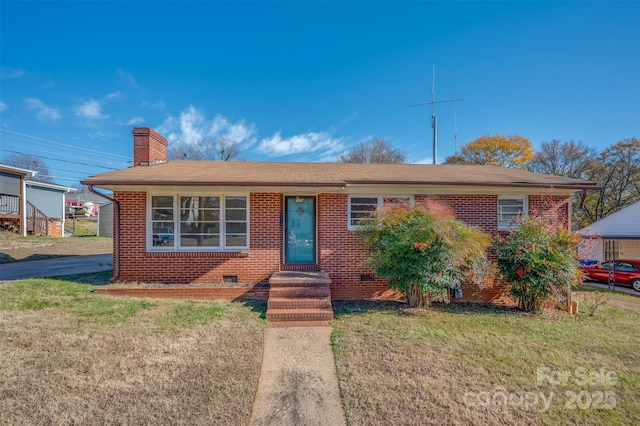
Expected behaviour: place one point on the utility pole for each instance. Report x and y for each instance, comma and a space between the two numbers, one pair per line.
434, 118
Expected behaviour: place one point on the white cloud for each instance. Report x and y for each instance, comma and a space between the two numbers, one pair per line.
114, 96
191, 122
97, 135
11, 72
427, 160
127, 77
43, 112
219, 123
300, 144
193, 127
239, 131
135, 121
91, 110
3, 106
153, 105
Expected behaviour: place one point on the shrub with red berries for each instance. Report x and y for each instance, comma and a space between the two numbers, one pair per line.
538, 260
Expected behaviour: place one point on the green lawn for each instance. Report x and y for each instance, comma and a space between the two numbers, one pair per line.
69, 356
488, 365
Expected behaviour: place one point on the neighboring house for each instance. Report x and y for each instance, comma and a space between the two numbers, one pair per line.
616, 236
105, 220
84, 203
13, 198
242, 222
39, 205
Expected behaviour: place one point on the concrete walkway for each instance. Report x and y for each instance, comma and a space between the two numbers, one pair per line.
66, 265
298, 383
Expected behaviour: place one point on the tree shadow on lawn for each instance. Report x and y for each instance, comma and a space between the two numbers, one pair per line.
94, 278
103, 278
258, 306
354, 307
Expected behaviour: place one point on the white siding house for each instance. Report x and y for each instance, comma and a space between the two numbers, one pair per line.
616, 236
105, 220
37, 207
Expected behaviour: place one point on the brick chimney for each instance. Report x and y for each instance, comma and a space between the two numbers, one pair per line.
149, 147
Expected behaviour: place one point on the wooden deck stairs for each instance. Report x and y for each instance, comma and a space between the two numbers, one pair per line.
37, 222
299, 299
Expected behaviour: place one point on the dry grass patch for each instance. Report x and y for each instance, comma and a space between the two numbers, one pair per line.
622, 301
68, 356
84, 227
479, 365
14, 248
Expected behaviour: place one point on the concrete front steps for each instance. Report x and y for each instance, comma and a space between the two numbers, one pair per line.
299, 299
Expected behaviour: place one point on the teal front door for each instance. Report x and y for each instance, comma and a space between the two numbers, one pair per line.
300, 237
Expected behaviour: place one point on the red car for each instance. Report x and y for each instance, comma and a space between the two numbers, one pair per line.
626, 272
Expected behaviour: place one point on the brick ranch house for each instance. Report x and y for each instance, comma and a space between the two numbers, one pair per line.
237, 224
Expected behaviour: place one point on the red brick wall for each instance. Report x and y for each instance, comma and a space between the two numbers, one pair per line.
339, 251
553, 209
55, 228
341, 254
148, 146
263, 258
191, 292
480, 211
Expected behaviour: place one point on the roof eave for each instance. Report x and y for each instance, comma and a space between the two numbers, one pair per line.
112, 183
576, 187
200, 183
609, 236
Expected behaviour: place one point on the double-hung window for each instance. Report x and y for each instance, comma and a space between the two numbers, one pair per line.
362, 207
510, 209
198, 223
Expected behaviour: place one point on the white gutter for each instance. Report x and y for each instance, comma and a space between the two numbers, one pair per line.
23, 207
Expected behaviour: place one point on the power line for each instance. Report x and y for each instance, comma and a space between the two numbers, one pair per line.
65, 145
17, 145
59, 159
61, 178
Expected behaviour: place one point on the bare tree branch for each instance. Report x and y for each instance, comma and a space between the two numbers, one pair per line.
376, 151
220, 149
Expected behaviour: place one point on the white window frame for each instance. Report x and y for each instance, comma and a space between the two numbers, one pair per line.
525, 210
380, 203
175, 247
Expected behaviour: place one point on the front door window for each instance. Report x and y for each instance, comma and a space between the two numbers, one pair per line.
300, 246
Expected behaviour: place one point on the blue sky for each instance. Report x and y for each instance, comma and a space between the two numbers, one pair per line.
306, 81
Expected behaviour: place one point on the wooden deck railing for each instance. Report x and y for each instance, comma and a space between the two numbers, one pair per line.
37, 221
9, 204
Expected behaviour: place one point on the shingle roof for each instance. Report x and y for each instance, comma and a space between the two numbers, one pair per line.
240, 173
621, 224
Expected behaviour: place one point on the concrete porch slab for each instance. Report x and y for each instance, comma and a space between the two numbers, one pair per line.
296, 278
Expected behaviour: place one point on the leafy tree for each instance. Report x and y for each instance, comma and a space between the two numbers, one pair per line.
495, 150
423, 251
538, 260
220, 149
617, 171
30, 162
376, 151
569, 159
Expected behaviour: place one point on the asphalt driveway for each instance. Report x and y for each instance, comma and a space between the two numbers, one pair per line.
620, 288
66, 265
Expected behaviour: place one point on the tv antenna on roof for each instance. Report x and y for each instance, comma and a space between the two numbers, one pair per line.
455, 135
434, 118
